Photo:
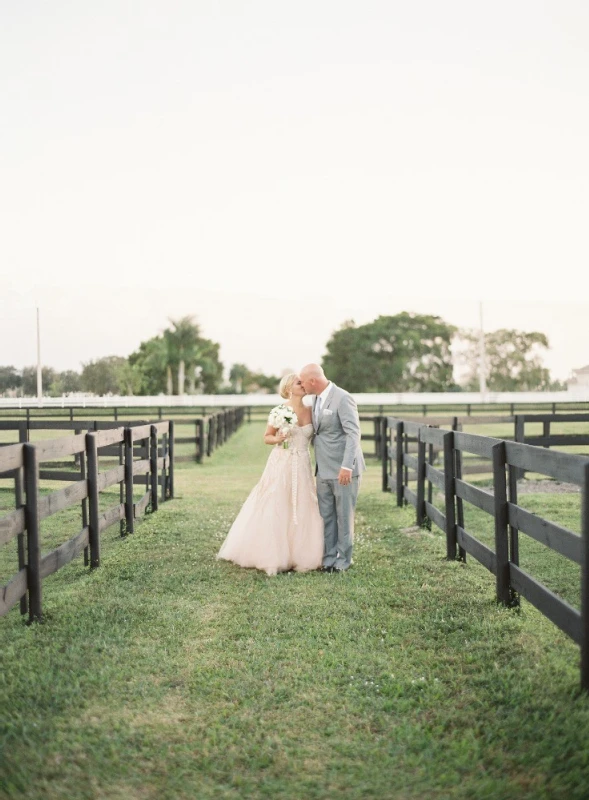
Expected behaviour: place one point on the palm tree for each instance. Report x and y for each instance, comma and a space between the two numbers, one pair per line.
183, 350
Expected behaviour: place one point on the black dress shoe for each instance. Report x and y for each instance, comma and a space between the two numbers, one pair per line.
327, 569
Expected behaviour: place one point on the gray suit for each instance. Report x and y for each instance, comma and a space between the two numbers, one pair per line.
337, 444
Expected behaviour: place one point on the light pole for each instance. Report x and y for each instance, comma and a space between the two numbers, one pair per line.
482, 355
39, 370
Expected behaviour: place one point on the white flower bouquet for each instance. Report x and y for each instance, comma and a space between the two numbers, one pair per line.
283, 418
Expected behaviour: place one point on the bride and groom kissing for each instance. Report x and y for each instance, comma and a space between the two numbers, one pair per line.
289, 522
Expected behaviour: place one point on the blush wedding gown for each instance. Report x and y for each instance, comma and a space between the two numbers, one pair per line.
279, 526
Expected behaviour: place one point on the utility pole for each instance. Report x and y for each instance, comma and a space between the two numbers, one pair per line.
39, 370
482, 355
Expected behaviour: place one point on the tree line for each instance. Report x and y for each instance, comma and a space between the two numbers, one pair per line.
406, 352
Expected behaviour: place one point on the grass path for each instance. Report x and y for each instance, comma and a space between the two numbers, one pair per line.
166, 674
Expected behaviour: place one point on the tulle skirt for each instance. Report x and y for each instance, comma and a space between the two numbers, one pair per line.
279, 526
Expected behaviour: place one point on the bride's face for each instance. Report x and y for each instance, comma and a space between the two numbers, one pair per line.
297, 389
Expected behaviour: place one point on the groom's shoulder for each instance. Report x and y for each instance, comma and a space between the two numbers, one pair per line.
342, 394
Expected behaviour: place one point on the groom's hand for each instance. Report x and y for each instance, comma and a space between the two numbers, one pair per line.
344, 477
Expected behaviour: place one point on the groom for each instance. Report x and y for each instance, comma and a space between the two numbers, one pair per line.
340, 463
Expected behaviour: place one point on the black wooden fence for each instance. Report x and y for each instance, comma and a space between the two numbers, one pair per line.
145, 455
209, 432
507, 460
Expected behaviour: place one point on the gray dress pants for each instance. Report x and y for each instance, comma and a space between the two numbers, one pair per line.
336, 505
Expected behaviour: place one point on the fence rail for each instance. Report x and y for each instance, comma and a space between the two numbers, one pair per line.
507, 460
145, 453
209, 432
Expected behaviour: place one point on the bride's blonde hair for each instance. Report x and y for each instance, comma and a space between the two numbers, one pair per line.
286, 385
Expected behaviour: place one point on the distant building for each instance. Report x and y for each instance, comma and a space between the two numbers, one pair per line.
579, 379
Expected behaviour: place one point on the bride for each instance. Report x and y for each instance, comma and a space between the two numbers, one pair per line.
279, 526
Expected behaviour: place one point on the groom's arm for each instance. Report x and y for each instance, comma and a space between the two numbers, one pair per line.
348, 414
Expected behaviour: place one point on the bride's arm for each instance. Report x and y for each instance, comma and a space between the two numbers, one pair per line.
272, 436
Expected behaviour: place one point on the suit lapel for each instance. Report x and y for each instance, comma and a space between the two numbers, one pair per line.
327, 403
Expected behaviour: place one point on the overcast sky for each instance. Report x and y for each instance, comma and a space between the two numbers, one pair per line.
276, 168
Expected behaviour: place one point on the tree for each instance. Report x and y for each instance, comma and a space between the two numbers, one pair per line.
239, 376
10, 379
29, 380
513, 360
180, 353
110, 375
66, 382
152, 363
402, 353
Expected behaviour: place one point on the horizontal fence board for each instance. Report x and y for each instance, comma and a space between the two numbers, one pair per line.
472, 443
436, 516
409, 461
558, 440
555, 417
63, 554
162, 427
11, 457
11, 593
141, 432
181, 459
561, 466
59, 475
435, 476
109, 437
140, 506
111, 516
186, 439
410, 496
412, 428
11, 525
433, 436
142, 466
57, 501
555, 537
477, 549
55, 448
558, 611
112, 476
475, 496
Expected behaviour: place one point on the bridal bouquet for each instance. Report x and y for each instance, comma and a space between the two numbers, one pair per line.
283, 418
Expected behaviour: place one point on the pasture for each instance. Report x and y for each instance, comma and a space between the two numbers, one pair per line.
166, 674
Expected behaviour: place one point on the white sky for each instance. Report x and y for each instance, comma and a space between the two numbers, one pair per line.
275, 169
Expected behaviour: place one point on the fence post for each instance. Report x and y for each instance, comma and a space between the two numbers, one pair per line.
94, 521
449, 495
585, 581
129, 515
171, 456
210, 431
200, 441
153, 466
519, 436
399, 459
458, 476
385, 454
164, 489
31, 470
19, 488
377, 443
420, 517
501, 537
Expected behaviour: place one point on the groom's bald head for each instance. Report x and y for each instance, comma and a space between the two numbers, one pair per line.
313, 379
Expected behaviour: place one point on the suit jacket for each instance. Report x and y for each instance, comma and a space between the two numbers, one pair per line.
337, 435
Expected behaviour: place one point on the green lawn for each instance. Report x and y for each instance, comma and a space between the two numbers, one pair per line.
166, 674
